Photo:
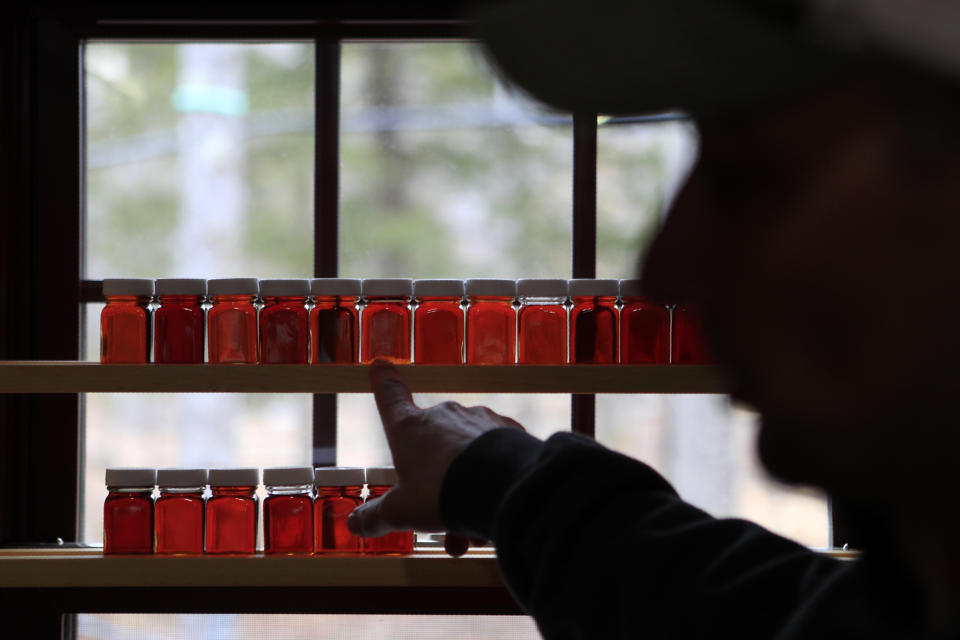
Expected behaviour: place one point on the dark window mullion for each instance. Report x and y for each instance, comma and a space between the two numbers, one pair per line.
39, 435
326, 190
582, 406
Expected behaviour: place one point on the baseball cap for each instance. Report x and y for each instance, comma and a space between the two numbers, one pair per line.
706, 57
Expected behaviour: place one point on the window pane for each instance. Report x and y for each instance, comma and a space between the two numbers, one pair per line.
706, 449
203, 430
444, 173
640, 166
199, 163
305, 627
199, 160
360, 439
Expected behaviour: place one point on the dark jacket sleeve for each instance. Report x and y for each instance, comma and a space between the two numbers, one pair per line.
594, 544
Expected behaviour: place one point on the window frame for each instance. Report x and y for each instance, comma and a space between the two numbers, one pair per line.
41, 252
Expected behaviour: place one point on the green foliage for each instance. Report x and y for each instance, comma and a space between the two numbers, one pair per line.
443, 172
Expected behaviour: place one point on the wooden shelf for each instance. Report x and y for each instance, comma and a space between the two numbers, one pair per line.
83, 568
74, 377
90, 569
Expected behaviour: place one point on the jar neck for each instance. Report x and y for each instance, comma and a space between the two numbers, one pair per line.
457, 300
177, 299
237, 492
377, 490
130, 490
293, 300
351, 491
490, 299
538, 300
181, 490
129, 300
594, 300
246, 298
352, 300
289, 489
386, 300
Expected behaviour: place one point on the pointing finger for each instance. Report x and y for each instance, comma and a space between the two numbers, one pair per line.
393, 398
368, 520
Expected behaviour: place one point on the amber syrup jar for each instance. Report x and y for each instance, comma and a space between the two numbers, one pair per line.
125, 321
644, 326
284, 322
179, 511
438, 322
231, 511
491, 321
288, 511
339, 491
386, 320
379, 481
594, 322
178, 321
128, 511
232, 321
542, 321
335, 321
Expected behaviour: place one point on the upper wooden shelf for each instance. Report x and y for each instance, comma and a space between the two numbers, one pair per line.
89, 568
72, 377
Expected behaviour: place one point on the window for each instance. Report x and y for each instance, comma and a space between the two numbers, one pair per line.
199, 162
296, 148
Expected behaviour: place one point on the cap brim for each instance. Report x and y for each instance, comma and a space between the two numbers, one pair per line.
648, 56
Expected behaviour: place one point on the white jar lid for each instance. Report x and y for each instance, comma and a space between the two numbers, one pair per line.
127, 287
131, 477
384, 476
388, 287
233, 287
335, 287
181, 477
181, 287
245, 477
590, 287
541, 288
438, 288
338, 476
287, 476
491, 287
285, 287
632, 287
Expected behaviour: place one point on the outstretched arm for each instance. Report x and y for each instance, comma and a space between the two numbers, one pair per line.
590, 542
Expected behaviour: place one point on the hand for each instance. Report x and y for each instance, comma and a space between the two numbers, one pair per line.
423, 442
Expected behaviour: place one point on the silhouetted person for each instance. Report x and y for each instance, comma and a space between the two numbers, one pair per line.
820, 234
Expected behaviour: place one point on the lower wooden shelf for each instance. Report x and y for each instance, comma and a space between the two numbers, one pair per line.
48, 583
51, 582
83, 568
89, 568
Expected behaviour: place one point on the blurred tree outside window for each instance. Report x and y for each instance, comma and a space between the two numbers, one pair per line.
200, 163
